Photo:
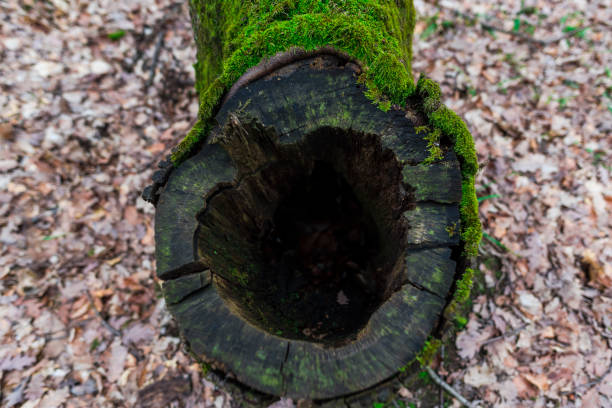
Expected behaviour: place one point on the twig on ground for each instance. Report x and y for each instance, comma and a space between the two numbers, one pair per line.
449, 389
505, 335
524, 318
116, 333
531, 39
106, 324
579, 389
522, 36
158, 47
441, 392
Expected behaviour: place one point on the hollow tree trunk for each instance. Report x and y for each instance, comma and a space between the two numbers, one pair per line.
312, 226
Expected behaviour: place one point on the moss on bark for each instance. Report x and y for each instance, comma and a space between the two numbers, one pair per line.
234, 35
450, 124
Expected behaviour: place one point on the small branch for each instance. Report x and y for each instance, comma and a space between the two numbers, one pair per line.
505, 335
531, 39
106, 324
579, 389
520, 35
449, 389
441, 392
114, 332
158, 47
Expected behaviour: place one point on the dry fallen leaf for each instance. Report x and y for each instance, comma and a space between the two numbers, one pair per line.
605, 386
138, 332
591, 399
16, 363
404, 393
283, 403
16, 395
600, 275
162, 393
523, 387
478, 376
530, 304
470, 340
54, 398
540, 381
6, 131
114, 261
116, 360
342, 299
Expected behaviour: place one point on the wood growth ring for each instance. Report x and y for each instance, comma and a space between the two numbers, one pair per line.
308, 249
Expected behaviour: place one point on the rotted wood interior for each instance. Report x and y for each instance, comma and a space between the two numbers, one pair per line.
305, 244
307, 250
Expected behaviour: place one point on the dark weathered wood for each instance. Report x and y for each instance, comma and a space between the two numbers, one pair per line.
222, 279
301, 369
306, 97
176, 290
433, 225
228, 343
438, 182
432, 269
395, 333
183, 197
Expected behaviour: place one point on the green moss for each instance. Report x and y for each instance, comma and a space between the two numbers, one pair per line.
376, 96
426, 355
460, 322
451, 229
242, 277
430, 92
429, 351
205, 367
461, 295
421, 129
433, 145
471, 232
464, 286
450, 124
233, 36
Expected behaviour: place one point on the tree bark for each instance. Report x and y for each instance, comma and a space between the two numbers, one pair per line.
311, 228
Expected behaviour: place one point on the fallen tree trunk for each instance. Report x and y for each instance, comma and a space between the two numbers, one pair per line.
311, 227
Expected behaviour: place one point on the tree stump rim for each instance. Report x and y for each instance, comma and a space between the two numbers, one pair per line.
320, 391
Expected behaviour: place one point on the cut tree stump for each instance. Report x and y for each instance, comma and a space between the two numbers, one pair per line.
309, 241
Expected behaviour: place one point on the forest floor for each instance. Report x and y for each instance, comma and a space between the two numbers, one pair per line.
95, 93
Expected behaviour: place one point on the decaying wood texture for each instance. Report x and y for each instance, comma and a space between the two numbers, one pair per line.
214, 211
310, 240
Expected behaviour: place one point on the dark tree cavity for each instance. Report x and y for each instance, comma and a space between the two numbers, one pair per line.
312, 232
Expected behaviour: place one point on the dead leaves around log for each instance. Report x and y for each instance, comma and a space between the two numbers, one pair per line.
79, 139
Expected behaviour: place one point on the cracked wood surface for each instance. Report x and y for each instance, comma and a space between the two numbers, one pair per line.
292, 104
